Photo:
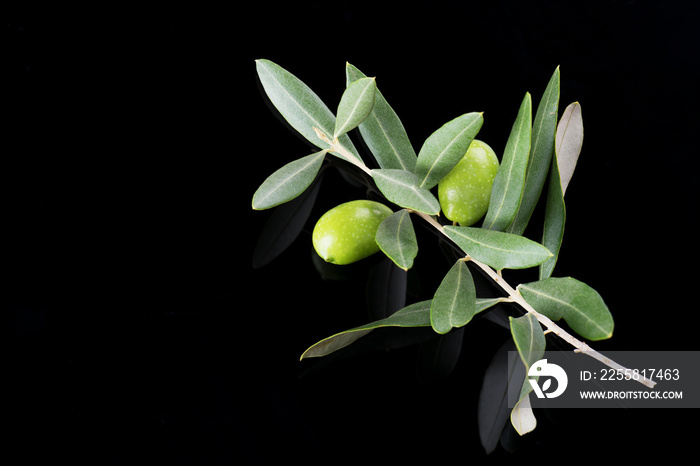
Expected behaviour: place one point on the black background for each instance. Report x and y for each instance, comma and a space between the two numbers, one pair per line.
135, 136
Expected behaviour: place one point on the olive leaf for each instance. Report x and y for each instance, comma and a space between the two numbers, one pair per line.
402, 188
569, 139
355, 105
498, 249
541, 149
414, 315
397, 239
569, 142
578, 304
454, 303
445, 147
284, 225
383, 131
554, 220
507, 189
288, 182
530, 342
299, 105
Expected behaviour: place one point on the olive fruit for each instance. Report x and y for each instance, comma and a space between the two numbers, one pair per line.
465, 192
345, 234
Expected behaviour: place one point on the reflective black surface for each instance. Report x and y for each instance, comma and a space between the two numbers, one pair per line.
138, 328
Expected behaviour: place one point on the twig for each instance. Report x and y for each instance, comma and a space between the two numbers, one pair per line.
516, 297
342, 151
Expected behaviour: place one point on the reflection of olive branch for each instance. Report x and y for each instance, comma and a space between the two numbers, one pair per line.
515, 297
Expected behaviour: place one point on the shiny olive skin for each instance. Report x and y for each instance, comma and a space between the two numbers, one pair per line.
465, 192
345, 234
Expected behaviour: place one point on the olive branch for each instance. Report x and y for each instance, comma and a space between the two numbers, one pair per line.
546, 147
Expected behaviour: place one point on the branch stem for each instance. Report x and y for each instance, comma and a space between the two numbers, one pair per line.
342, 151
516, 297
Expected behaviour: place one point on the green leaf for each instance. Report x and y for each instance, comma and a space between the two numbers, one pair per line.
454, 303
414, 315
288, 182
397, 238
299, 105
529, 338
383, 132
554, 221
507, 189
541, 149
484, 303
498, 249
445, 147
530, 342
284, 225
355, 105
522, 417
578, 304
569, 142
402, 188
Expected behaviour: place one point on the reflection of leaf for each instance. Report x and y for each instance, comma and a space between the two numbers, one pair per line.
438, 356
492, 410
386, 289
284, 225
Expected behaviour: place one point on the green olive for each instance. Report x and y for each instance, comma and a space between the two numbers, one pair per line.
465, 192
345, 234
